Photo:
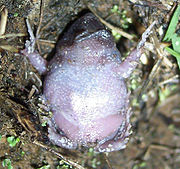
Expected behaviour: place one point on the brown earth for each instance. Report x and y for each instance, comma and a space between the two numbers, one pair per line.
154, 86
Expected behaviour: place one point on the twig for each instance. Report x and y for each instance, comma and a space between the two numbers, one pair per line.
151, 76
3, 20
174, 79
107, 161
160, 51
40, 22
47, 42
118, 30
9, 48
70, 162
41, 17
12, 35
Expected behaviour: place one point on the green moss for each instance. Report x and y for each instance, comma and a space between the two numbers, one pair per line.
13, 141
7, 163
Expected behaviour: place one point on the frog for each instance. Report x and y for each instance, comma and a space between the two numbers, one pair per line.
85, 86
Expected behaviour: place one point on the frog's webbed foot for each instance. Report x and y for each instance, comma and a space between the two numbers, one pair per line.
35, 58
59, 138
129, 64
118, 139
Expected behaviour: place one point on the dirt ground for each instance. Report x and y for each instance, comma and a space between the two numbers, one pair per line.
154, 86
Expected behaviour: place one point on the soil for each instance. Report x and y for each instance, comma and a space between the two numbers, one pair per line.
154, 87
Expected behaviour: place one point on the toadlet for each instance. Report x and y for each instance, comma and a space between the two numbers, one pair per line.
85, 87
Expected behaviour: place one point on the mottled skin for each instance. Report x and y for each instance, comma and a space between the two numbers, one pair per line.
84, 85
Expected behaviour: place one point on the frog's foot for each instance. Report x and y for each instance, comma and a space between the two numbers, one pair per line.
30, 44
129, 64
117, 140
59, 138
35, 58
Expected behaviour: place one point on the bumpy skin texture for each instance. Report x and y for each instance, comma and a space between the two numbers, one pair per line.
84, 85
